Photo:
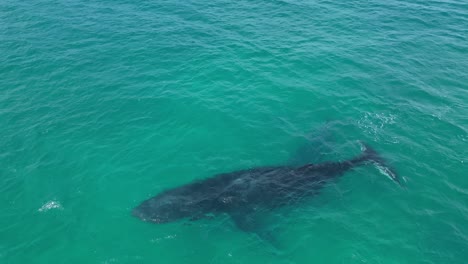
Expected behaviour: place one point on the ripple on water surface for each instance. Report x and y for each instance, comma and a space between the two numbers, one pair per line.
103, 105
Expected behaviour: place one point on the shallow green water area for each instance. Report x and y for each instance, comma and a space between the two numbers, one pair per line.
106, 103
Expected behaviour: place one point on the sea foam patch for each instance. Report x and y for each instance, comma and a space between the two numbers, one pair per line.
50, 205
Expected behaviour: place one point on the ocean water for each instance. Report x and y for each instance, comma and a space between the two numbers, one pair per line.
106, 103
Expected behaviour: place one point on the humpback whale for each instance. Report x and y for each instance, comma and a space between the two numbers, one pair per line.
241, 193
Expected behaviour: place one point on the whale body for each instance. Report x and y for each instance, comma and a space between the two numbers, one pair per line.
241, 193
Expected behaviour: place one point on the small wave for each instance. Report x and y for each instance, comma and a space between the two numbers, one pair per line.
50, 205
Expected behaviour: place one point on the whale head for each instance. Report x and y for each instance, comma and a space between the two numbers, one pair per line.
164, 208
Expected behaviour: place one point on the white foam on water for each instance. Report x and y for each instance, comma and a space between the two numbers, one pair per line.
159, 239
50, 205
374, 124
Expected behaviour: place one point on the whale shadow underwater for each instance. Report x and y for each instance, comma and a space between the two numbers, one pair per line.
241, 194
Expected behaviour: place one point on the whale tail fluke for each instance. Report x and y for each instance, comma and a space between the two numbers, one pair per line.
369, 154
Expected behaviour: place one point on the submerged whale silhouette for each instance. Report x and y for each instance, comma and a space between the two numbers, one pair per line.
241, 193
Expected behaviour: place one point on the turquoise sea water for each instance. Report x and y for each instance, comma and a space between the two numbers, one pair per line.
106, 103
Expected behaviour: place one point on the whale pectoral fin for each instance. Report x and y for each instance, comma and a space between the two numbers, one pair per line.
249, 223
244, 222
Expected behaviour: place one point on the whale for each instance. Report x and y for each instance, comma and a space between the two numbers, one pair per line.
240, 194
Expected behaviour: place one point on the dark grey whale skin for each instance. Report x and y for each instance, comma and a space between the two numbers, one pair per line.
240, 193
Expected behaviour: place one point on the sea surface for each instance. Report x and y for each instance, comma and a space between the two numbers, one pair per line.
104, 104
